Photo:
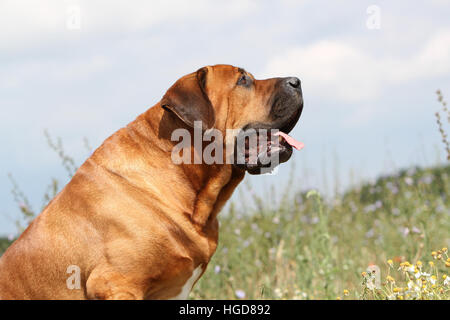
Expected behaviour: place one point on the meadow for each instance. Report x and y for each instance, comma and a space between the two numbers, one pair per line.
394, 230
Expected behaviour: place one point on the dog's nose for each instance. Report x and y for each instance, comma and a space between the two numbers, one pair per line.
293, 82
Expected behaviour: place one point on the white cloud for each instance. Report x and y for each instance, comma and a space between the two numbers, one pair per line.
340, 70
29, 23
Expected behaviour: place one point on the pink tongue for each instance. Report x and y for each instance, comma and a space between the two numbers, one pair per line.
296, 144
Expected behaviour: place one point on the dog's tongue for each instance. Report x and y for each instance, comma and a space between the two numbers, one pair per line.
294, 143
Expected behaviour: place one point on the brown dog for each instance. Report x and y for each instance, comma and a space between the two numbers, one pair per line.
132, 224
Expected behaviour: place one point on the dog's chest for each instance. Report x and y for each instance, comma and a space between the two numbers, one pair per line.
186, 289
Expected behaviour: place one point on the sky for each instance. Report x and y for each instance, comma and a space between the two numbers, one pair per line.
84, 69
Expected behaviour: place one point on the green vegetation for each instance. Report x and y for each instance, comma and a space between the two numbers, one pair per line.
4, 244
309, 248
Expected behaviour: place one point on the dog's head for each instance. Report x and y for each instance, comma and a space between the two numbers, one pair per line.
226, 97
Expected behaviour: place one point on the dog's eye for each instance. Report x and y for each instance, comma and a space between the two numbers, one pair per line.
244, 80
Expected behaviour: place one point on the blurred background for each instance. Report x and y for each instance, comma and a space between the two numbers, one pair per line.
83, 69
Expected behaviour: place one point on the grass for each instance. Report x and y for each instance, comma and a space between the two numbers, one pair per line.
309, 248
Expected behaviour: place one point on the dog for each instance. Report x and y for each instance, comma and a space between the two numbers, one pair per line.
131, 223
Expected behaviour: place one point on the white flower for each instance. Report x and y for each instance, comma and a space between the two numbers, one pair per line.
277, 292
410, 285
240, 294
216, 269
409, 181
405, 231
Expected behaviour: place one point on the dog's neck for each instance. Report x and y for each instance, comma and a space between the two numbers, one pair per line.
213, 184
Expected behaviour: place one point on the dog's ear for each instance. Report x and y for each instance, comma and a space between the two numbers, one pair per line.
188, 100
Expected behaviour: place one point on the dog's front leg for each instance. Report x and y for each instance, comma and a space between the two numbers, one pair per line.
108, 284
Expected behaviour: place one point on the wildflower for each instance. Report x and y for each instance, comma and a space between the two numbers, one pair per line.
419, 264
446, 280
216, 269
427, 179
433, 279
417, 274
415, 230
390, 262
278, 292
370, 233
447, 264
240, 294
405, 231
397, 290
338, 298
370, 208
431, 263
444, 249
346, 292
390, 279
434, 254
364, 274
